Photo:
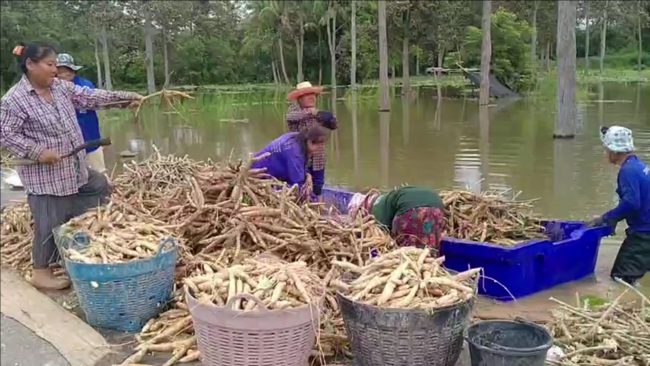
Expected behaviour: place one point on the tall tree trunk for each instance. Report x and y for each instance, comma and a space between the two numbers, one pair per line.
417, 64
533, 40
486, 53
565, 118
320, 58
384, 101
284, 69
107, 62
406, 79
276, 79
603, 38
353, 44
166, 58
98, 63
638, 64
331, 41
587, 36
300, 42
148, 47
548, 56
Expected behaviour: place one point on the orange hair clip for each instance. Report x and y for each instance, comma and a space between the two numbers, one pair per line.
18, 50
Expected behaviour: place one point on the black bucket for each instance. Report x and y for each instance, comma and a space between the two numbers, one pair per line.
508, 343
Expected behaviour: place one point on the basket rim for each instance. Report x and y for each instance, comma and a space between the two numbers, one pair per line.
420, 311
240, 313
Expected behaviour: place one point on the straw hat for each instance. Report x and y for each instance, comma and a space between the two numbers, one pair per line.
304, 88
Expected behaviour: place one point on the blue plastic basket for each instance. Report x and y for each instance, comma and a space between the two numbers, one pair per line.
121, 296
526, 268
337, 198
513, 272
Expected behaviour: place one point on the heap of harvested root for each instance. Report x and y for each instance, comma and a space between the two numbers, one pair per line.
275, 283
114, 236
407, 278
16, 236
490, 218
613, 333
228, 212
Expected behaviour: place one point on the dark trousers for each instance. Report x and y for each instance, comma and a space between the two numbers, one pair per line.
633, 259
51, 211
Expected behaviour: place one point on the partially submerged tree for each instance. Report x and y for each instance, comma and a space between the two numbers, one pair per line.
486, 53
565, 118
384, 96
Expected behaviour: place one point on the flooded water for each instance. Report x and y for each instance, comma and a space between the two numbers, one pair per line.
442, 143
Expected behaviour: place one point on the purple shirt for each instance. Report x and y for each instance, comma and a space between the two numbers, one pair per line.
288, 163
29, 124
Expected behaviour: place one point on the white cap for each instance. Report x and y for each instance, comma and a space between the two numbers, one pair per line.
355, 202
618, 139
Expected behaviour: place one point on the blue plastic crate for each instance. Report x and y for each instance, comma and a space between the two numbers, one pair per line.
569, 254
529, 267
338, 198
121, 296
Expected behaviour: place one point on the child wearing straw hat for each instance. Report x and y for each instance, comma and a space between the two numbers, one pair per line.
302, 115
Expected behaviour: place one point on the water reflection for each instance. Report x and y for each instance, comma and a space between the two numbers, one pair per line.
384, 147
444, 143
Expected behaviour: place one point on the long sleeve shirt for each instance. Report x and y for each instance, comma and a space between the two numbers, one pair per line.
288, 163
87, 118
29, 125
634, 196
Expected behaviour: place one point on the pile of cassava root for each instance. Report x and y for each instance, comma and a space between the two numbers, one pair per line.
407, 278
114, 236
222, 214
615, 332
490, 218
276, 284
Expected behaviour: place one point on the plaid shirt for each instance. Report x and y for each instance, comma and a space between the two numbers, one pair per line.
298, 120
29, 124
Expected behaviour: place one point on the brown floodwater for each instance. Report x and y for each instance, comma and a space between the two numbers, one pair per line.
443, 143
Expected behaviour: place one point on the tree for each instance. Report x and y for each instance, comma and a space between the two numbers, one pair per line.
330, 21
603, 37
533, 40
148, 42
565, 120
486, 53
353, 38
384, 97
587, 21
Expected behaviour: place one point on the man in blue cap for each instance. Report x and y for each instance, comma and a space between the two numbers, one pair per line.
633, 259
87, 119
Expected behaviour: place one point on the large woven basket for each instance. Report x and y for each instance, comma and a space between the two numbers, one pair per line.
121, 296
395, 337
227, 337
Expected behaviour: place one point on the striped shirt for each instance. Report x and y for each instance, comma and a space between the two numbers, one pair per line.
29, 124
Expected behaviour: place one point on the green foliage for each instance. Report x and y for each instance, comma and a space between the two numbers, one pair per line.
223, 42
510, 50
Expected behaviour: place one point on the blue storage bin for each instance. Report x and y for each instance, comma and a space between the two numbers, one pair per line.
121, 296
516, 271
337, 197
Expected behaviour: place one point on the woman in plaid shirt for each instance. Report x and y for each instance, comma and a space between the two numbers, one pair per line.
302, 115
38, 122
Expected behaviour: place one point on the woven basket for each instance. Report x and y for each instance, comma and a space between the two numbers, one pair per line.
227, 337
121, 296
395, 337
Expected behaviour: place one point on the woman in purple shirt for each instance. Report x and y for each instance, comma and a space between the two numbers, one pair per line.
38, 122
289, 159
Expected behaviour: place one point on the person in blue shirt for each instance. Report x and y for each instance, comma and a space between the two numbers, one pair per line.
287, 159
87, 119
633, 259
